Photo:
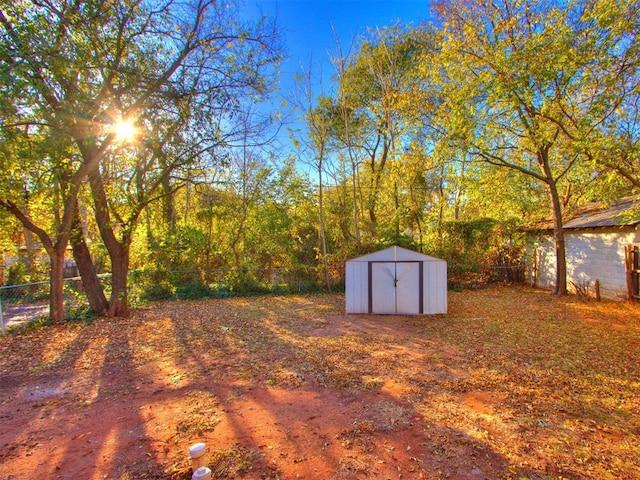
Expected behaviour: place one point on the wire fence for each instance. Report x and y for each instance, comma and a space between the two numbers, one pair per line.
221, 282
26, 302
23, 303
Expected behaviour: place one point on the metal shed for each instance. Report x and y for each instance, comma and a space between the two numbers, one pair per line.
396, 281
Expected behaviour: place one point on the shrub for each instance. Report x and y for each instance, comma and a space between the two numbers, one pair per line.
243, 282
193, 290
157, 291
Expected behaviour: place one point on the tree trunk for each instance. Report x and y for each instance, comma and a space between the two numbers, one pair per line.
323, 239
396, 206
558, 239
28, 242
56, 253
558, 230
377, 170
118, 250
356, 214
90, 281
168, 204
118, 303
56, 298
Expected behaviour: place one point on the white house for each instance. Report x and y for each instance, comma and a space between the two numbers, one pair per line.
396, 281
596, 240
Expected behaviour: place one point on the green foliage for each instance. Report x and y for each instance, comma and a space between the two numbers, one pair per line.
244, 281
187, 75
157, 291
36, 324
81, 313
78, 315
479, 251
181, 249
193, 290
465, 236
18, 274
408, 144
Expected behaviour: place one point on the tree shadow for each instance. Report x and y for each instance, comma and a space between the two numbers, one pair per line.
79, 414
30, 397
278, 387
305, 399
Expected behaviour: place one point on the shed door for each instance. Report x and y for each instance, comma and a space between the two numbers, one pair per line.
395, 287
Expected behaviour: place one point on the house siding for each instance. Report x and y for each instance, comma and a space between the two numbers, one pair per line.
592, 255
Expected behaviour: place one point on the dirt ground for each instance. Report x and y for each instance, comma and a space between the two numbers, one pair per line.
512, 383
15, 315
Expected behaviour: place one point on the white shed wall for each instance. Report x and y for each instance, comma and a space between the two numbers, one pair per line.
356, 287
435, 287
591, 255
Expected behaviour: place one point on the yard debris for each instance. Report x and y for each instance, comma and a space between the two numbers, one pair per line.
512, 383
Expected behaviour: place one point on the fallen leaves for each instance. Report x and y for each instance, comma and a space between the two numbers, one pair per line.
513, 382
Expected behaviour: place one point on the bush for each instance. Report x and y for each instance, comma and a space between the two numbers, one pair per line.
243, 282
157, 291
80, 313
193, 290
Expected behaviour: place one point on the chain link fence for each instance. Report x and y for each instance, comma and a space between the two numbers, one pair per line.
223, 282
24, 303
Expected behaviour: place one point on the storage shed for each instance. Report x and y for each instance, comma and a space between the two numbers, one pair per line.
396, 281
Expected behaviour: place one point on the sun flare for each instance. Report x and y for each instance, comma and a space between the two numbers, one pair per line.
125, 131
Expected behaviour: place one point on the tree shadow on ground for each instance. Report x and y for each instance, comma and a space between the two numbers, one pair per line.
78, 414
311, 394
290, 387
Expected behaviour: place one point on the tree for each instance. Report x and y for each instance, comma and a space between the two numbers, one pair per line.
598, 113
315, 113
345, 132
370, 84
377, 84
505, 71
177, 70
39, 189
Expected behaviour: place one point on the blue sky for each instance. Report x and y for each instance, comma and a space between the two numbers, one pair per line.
308, 26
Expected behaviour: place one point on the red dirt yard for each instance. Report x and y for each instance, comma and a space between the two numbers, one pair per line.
512, 383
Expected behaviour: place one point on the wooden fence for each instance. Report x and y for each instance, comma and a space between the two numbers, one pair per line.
632, 267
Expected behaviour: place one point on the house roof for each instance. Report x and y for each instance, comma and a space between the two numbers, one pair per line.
621, 213
395, 254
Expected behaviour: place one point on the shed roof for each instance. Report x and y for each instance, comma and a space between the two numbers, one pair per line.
396, 254
621, 213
